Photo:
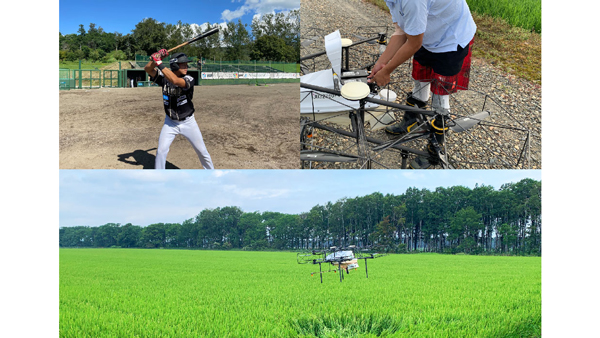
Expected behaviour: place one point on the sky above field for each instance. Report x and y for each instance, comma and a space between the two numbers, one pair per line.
97, 197
122, 16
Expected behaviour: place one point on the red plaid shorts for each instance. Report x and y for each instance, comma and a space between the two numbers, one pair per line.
444, 85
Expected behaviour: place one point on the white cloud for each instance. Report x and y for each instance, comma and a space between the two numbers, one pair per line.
260, 7
196, 27
221, 173
151, 176
413, 175
260, 193
254, 193
228, 15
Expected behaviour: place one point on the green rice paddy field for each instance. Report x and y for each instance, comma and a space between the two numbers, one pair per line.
185, 293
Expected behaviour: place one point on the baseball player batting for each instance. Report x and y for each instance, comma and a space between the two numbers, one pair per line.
178, 91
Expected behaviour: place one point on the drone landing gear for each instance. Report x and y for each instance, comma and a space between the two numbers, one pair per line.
358, 126
358, 91
320, 273
404, 155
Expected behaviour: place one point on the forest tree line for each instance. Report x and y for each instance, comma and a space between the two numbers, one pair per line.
457, 219
273, 37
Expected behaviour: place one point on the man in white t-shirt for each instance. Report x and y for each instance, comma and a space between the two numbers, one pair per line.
439, 34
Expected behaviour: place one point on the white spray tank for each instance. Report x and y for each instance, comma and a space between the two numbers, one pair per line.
386, 118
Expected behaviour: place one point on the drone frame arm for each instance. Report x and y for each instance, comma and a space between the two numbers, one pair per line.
372, 100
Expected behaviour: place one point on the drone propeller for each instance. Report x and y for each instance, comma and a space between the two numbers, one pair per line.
372, 250
372, 42
457, 125
323, 156
308, 42
369, 255
314, 257
467, 122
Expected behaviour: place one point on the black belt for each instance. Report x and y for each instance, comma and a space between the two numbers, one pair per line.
183, 119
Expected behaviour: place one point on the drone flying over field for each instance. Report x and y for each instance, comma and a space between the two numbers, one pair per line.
340, 259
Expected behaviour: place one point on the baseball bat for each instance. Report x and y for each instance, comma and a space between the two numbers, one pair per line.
196, 38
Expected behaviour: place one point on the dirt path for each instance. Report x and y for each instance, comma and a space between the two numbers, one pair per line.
244, 127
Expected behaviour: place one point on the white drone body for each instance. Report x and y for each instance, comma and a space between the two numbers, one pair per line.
346, 257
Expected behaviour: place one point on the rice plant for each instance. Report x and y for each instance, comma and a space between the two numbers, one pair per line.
191, 293
525, 14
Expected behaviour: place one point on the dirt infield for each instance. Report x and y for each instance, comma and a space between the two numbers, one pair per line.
244, 127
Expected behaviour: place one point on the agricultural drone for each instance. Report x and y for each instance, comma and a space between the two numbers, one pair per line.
335, 97
340, 259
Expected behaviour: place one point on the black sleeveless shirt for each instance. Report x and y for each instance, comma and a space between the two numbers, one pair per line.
177, 101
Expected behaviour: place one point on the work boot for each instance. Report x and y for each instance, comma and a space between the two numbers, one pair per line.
421, 162
409, 120
439, 128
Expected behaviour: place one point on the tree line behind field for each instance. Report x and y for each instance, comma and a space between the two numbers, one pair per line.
274, 37
457, 219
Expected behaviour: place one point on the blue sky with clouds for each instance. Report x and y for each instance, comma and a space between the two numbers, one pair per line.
122, 16
97, 197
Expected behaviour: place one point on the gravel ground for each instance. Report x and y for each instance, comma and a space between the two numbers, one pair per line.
515, 103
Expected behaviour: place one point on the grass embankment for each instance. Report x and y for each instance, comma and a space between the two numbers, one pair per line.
194, 293
508, 35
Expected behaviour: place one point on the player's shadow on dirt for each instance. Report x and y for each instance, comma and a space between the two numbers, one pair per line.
143, 158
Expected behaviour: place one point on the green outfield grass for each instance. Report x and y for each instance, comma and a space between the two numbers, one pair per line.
181, 293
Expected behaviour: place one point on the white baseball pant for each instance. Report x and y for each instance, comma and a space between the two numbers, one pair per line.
188, 128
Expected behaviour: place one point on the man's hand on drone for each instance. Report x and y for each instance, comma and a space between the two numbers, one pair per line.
376, 68
379, 75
